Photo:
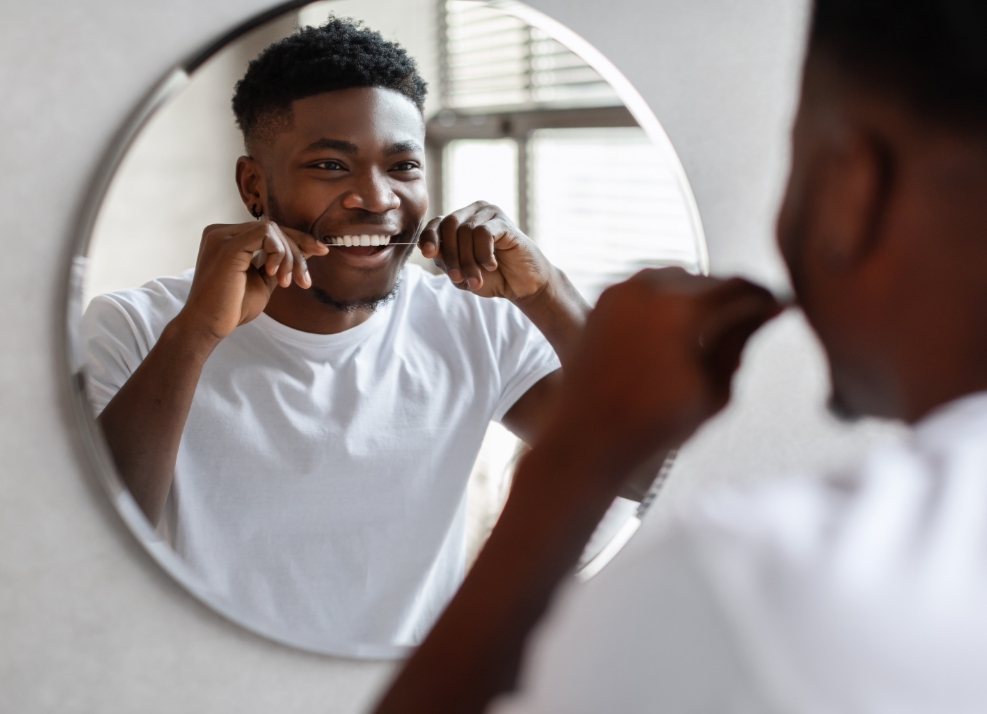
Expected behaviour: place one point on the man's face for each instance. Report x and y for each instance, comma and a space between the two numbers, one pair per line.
351, 163
819, 210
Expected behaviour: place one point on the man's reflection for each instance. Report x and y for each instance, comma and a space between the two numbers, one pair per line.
301, 413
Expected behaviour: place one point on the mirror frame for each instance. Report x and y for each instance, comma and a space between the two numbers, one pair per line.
168, 86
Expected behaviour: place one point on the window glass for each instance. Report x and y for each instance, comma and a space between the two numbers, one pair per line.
603, 205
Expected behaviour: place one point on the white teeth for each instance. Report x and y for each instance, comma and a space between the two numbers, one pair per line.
364, 240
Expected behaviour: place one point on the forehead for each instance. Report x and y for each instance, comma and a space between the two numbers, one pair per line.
365, 116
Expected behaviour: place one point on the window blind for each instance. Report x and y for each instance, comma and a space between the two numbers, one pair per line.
492, 59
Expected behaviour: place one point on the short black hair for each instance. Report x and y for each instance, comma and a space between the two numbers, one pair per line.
932, 53
341, 54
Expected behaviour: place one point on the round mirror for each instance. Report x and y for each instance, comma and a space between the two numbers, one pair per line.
291, 403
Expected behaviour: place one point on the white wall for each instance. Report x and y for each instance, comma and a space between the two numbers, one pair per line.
87, 622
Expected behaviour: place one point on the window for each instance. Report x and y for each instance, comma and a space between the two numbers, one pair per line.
492, 59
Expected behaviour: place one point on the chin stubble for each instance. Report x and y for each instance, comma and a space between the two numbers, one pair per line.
367, 303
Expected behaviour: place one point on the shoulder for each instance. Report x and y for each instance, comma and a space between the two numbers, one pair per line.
422, 289
146, 309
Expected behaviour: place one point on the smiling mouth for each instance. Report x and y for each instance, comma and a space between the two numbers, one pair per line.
360, 241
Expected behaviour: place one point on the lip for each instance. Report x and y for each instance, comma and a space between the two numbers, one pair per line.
356, 258
364, 257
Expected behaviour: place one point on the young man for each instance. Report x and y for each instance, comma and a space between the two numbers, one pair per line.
864, 593
304, 409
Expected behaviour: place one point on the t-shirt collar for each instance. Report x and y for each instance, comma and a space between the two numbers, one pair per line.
282, 333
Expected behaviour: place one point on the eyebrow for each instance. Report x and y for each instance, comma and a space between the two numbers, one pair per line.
346, 147
402, 147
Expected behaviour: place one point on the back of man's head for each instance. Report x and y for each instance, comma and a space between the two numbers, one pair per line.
932, 53
341, 54
884, 225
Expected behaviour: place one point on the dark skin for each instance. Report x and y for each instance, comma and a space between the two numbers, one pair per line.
882, 228
341, 163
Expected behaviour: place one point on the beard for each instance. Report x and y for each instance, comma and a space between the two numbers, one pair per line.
364, 303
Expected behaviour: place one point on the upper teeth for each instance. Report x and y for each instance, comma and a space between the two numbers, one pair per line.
364, 240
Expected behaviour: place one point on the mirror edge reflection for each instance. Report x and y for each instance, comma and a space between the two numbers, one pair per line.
169, 86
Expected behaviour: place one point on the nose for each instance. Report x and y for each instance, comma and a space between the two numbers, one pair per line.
373, 194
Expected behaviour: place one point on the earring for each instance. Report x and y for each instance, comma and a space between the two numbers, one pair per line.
256, 211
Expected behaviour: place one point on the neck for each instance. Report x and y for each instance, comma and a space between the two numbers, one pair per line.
924, 398
941, 350
300, 310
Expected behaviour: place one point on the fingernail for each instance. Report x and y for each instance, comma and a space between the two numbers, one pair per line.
308, 278
455, 276
473, 283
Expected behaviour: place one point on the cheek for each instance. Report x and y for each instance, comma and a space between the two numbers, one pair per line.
414, 198
792, 227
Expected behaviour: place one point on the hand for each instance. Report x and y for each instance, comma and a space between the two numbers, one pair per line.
656, 360
238, 268
482, 251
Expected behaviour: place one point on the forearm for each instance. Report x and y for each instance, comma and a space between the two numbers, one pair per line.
473, 652
144, 421
559, 312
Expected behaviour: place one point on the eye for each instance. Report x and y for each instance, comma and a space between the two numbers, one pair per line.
329, 165
406, 166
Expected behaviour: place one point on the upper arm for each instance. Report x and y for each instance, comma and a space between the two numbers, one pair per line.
531, 412
111, 347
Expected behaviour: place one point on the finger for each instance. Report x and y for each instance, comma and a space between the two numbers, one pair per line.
255, 247
275, 250
219, 234
485, 239
308, 244
727, 291
287, 266
449, 246
428, 242
725, 334
227, 230
300, 273
448, 235
467, 264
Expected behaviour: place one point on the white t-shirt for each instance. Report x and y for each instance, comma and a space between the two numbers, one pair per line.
864, 593
321, 479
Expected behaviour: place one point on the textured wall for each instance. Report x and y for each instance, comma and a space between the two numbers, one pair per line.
87, 622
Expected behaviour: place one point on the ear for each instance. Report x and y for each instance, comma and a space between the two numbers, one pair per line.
854, 190
252, 184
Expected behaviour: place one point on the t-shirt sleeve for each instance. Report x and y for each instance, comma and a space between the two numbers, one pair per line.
113, 347
646, 635
525, 358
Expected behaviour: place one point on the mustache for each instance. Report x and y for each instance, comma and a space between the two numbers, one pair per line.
363, 218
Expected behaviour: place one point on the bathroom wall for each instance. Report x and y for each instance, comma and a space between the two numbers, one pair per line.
87, 621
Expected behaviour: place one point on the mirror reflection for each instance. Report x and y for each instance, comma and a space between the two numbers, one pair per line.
331, 291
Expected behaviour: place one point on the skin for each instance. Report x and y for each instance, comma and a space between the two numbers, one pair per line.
882, 228
347, 162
